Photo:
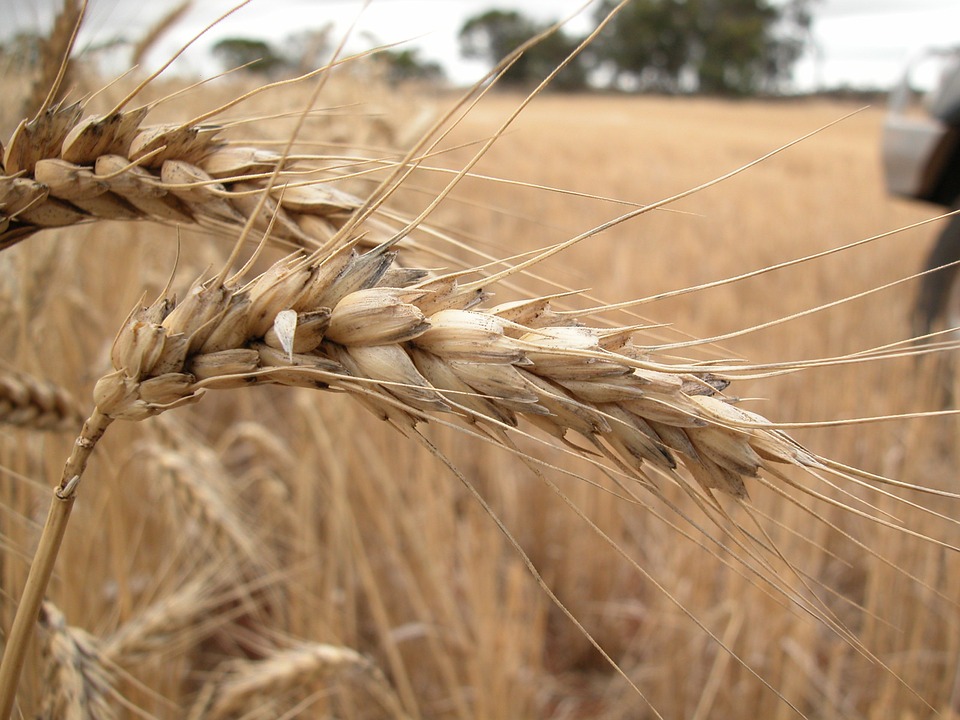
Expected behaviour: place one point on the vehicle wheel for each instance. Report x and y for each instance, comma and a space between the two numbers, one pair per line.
938, 302
938, 305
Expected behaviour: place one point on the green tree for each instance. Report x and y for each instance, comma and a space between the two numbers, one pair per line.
406, 64
23, 50
308, 49
494, 34
255, 56
725, 47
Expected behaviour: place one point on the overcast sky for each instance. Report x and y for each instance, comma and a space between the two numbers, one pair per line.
856, 42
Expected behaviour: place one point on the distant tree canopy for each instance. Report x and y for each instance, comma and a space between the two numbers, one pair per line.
406, 64
494, 34
255, 56
306, 50
723, 47
22, 50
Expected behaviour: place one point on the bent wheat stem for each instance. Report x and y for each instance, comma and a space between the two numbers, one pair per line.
41, 569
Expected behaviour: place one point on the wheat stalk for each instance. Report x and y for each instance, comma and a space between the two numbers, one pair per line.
41, 569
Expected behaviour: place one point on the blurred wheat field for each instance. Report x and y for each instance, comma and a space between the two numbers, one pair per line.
334, 529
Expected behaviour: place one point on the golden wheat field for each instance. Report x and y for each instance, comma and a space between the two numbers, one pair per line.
277, 552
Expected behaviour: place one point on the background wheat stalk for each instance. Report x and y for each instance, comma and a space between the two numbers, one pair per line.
260, 685
26, 401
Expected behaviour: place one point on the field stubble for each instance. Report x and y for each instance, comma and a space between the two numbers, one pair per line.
352, 536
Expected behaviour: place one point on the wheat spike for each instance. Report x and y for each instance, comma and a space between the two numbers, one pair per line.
258, 690
78, 685
60, 170
30, 403
178, 621
408, 361
199, 492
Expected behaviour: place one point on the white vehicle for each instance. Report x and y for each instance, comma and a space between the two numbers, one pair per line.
920, 138
921, 157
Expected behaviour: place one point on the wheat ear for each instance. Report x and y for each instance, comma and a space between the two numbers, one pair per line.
60, 170
177, 620
31, 403
78, 682
429, 349
256, 689
196, 489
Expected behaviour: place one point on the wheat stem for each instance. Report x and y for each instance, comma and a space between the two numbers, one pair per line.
33, 592
44, 559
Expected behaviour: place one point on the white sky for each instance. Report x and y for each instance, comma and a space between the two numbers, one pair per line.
856, 42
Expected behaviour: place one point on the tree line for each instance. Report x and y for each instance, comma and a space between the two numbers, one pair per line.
719, 47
